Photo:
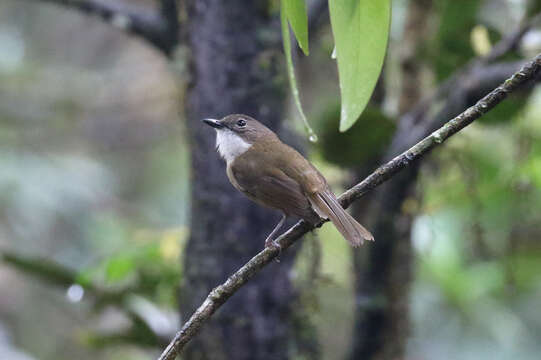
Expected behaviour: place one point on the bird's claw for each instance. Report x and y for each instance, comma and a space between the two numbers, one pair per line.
272, 244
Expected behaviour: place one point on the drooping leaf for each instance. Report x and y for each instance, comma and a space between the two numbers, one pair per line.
295, 12
291, 69
361, 31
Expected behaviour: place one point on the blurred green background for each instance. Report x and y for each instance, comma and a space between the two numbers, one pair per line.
95, 184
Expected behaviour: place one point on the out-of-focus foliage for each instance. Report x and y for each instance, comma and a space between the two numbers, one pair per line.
450, 47
94, 180
478, 239
369, 136
149, 267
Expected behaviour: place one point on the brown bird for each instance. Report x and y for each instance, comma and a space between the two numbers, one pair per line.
275, 175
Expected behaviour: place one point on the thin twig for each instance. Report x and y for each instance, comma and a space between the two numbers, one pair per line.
221, 293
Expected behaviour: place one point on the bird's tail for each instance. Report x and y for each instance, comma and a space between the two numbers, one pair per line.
326, 205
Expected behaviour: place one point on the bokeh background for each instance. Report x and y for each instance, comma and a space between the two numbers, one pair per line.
96, 189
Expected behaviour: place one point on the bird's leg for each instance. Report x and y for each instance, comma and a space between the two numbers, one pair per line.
269, 241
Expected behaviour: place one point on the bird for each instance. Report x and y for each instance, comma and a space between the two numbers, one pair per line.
273, 174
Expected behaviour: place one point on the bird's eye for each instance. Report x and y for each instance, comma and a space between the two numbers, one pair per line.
241, 123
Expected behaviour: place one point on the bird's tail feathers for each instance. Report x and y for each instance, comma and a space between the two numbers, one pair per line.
326, 205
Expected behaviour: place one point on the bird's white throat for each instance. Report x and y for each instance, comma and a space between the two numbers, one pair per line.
230, 145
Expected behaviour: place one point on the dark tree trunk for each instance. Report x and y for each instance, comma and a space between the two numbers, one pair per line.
234, 67
383, 272
383, 275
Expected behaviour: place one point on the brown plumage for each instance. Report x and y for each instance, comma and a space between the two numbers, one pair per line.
273, 174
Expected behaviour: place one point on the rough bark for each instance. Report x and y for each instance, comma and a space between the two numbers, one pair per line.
234, 70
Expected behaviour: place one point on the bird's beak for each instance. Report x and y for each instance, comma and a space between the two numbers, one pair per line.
214, 123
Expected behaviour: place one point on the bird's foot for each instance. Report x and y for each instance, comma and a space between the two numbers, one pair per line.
269, 243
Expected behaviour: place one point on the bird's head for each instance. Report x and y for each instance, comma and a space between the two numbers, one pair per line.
236, 133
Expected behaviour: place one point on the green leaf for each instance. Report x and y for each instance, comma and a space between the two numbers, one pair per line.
291, 70
295, 12
361, 31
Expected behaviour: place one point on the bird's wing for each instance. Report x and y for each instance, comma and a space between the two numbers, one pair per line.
321, 197
271, 187
289, 182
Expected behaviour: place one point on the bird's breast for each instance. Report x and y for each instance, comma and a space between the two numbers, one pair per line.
230, 145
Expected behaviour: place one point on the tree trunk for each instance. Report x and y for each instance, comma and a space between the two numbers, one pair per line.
383, 272
383, 275
234, 69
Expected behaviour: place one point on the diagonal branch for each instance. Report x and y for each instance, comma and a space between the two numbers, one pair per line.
511, 41
223, 292
414, 118
159, 29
